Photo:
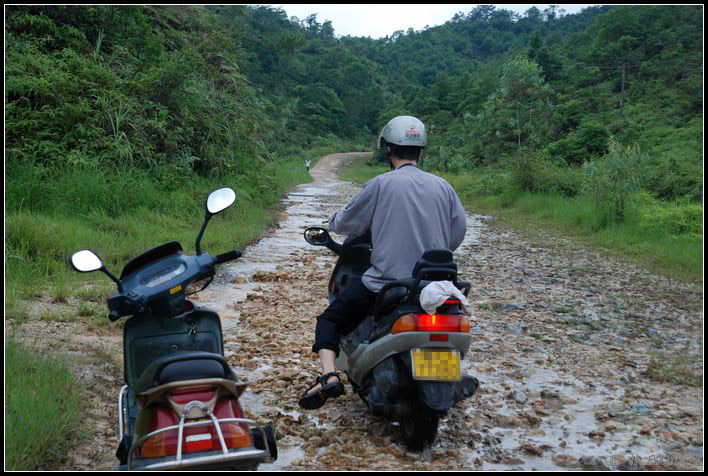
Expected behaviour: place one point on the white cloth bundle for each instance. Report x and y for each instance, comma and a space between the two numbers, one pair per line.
437, 292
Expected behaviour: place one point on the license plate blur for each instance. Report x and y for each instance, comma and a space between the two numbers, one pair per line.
436, 364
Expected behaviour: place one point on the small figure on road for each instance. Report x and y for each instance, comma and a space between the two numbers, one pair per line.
307, 165
408, 211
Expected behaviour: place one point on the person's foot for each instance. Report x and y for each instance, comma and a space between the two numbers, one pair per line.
326, 386
318, 387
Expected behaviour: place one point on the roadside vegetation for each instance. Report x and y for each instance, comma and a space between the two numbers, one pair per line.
666, 237
592, 127
40, 420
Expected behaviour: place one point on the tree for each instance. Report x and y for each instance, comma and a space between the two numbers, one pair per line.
614, 180
520, 107
539, 54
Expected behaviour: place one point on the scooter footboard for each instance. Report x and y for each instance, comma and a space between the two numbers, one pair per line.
243, 458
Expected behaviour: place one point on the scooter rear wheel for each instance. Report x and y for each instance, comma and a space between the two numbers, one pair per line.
420, 428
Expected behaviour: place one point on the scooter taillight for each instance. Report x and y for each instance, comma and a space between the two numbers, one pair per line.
431, 323
202, 437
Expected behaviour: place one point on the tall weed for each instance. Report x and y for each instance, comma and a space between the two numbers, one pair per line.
613, 181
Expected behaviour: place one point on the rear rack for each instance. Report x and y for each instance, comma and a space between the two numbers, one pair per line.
196, 460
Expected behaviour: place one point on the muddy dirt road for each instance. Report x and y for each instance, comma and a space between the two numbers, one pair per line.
563, 337
575, 352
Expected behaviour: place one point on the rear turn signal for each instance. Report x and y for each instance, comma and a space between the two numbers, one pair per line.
431, 323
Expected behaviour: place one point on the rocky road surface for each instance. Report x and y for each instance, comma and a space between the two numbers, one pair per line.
575, 352
562, 338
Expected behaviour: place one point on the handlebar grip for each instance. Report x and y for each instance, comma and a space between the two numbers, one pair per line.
230, 256
114, 316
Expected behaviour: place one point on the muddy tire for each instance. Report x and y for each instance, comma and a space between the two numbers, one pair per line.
420, 428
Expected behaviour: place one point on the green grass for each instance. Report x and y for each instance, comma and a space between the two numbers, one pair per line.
676, 369
665, 237
42, 234
42, 410
360, 172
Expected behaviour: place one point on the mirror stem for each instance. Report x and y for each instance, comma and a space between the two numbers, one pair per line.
201, 233
115, 280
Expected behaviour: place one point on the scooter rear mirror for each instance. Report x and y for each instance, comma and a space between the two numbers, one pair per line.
220, 200
317, 236
86, 261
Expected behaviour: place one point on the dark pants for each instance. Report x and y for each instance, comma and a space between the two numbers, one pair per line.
342, 316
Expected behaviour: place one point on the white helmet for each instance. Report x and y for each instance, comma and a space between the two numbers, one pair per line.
404, 130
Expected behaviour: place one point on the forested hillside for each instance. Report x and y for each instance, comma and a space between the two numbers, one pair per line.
118, 122
634, 73
209, 87
594, 118
159, 97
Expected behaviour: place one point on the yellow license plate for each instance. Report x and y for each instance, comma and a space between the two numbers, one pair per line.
435, 364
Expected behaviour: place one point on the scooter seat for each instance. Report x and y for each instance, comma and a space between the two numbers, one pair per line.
436, 265
179, 366
388, 299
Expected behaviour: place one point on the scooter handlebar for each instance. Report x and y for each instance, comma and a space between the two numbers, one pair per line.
230, 256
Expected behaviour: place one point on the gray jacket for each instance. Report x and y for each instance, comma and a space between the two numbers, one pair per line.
408, 211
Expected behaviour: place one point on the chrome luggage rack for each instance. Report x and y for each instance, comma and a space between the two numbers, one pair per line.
179, 462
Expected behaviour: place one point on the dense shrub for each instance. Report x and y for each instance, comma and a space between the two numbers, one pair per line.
104, 87
613, 181
543, 174
587, 142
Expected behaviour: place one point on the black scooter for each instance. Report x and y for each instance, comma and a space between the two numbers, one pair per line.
403, 362
179, 408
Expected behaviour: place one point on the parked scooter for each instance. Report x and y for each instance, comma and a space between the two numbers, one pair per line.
179, 408
403, 362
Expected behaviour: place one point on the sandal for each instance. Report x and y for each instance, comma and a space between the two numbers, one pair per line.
314, 400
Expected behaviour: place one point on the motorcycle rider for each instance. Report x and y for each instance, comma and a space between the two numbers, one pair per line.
408, 211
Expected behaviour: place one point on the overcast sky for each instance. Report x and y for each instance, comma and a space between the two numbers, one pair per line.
378, 21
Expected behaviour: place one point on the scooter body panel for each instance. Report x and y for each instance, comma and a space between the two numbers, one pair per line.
147, 338
367, 356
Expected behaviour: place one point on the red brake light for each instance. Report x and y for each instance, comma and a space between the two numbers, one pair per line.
438, 323
438, 337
